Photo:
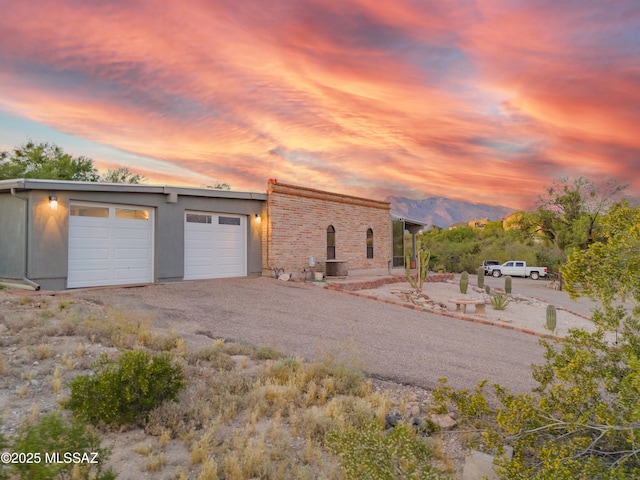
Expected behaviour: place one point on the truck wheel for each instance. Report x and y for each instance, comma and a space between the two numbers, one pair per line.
496, 273
534, 275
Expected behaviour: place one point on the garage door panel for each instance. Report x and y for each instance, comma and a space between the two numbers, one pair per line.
93, 276
82, 256
87, 232
215, 249
134, 255
107, 250
201, 251
135, 233
131, 274
136, 244
90, 242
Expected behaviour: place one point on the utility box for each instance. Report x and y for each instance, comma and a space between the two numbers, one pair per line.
336, 268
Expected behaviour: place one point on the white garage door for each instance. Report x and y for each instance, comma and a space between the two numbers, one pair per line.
215, 245
109, 245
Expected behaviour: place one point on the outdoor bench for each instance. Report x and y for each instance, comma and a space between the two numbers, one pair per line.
463, 302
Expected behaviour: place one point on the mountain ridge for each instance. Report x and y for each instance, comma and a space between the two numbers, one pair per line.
444, 212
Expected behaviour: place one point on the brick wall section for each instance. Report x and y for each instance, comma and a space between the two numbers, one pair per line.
296, 229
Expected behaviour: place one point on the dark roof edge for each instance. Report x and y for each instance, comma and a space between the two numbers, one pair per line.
397, 217
65, 185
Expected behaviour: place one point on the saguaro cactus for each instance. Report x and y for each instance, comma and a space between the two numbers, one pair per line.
464, 283
422, 267
551, 317
507, 284
481, 277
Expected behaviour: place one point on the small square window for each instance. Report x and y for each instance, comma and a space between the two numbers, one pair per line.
198, 218
85, 211
132, 214
228, 221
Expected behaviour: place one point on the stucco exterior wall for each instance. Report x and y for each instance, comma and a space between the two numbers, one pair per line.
12, 236
49, 231
296, 229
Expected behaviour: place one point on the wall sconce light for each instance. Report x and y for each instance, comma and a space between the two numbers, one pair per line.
258, 218
53, 202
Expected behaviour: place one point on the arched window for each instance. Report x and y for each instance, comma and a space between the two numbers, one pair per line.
369, 243
331, 243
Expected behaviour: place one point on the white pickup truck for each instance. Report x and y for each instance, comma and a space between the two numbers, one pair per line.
517, 268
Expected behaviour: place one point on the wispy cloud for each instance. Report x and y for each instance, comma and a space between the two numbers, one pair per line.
485, 101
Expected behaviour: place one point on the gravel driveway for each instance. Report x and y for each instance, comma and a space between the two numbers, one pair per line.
305, 320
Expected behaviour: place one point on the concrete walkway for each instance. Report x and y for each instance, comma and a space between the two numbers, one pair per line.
525, 313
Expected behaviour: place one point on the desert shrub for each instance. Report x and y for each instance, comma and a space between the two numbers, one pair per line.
471, 407
285, 369
218, 359
233, 348
370, 452
221, 395
125, 329
336, 379
124, 391
52, 433
267, 353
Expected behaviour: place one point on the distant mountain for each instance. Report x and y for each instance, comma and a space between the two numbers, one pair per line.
444, 212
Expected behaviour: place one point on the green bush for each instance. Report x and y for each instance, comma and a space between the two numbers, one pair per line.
53, 434
123, 392
372, 453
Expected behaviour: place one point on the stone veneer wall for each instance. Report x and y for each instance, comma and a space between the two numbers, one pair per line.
295, 228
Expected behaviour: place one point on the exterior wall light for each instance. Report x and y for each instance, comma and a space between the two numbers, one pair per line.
258, 218
53, 202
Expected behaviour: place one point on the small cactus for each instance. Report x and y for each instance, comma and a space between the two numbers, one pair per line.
422, 269
481, 277
464, 283
551, 317
500, 301
507, 285
487, 289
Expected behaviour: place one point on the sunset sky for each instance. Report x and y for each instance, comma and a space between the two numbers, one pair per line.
484, 101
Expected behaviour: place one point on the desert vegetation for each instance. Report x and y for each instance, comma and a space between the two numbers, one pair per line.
567, 217
464, 248
582, 419
81, 377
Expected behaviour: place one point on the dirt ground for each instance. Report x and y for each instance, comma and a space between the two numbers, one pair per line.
42, 349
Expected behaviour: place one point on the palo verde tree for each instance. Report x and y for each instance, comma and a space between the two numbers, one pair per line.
583, 419
569, 212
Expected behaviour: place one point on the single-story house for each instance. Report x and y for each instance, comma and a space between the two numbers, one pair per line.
60, 234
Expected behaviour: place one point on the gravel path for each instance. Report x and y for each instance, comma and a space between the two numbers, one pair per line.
306, 320
524, 313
